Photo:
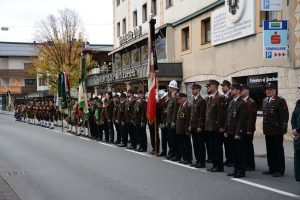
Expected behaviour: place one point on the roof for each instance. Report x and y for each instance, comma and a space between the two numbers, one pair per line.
18, 49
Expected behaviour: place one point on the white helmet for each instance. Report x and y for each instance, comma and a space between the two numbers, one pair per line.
162, 93
173, 84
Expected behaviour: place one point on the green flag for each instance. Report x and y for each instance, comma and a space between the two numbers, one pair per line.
82, 94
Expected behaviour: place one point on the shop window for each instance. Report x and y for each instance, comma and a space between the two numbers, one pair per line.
144, 12
169, 3
135, 19
117, 61
118, 29
161, 48
136, 56
154, 7
124, 26
30, 82
144, 53
185, 39
205, 31
126, 59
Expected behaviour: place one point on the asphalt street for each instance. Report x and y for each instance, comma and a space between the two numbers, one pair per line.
42, 164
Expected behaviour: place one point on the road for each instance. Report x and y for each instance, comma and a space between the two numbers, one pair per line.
42, 164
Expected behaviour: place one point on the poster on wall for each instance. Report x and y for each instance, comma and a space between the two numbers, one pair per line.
233, 21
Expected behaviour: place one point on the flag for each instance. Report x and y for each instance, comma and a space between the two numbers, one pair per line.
63, 89
82, 93
152, 79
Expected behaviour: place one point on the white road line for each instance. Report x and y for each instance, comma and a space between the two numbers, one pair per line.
267, 188
186, 166
140, 153
84, 138
56, 131
110, 145
69, 134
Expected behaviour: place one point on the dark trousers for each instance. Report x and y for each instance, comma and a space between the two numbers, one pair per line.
240, 154
231, 150
184, 147
172, 141
250, 151
199, 145
93, 130
132, 135
164, 139
228, 153
106, 131
207, 145
275, 153
152, 137
99, 134
111, 130
124, 134
297, 165
117, 126
141, 136
216, 148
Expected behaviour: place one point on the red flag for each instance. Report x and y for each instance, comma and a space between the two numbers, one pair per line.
67, 88
152, 79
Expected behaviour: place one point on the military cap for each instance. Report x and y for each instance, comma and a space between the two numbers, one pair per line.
212, 82
270, 85
140, 92
123, 95
196, 86
181, 95
226, 83
236, 86
131, 91
245, 87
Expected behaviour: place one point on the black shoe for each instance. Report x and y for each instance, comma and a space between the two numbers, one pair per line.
122, 145
239, 175
181, 161
210, 169
142, 150
277, 174
187, 162
193, 164
200, 166
217, 170
208, 161
229, 164
175, 159
161, 154
231, 174
268, 172
250, 169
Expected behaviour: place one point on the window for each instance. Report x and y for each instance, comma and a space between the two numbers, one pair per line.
118, 2
206, 31
185, 38
271, 16
169, 3
267, 15
42, 81
124, 26
118, 29
30, 82
135, 22
154, 7
144, 12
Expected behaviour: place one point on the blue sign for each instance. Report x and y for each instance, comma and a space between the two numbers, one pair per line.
275, 39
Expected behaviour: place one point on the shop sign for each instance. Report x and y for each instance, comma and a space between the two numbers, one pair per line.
131, 35
271, 5
117, 76
233, 21
12, 89
275, 39
261, 80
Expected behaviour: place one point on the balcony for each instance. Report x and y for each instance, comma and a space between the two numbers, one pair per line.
167, 71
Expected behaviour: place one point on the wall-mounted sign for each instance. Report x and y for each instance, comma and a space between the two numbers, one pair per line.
116, 76
12, 89
233, 21
275, 39
271, 5
131, 35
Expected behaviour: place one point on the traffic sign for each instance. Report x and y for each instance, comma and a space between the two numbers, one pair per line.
275, 39
271, 5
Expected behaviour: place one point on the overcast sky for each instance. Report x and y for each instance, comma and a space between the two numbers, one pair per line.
21, 15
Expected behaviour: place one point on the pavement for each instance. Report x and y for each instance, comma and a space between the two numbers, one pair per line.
42, 164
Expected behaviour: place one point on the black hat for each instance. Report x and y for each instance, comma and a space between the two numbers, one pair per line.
236, 86
123, 95
270, 85
196, 86
244, 87
226, 83
140, 92
131, 91
181, 95
212, 82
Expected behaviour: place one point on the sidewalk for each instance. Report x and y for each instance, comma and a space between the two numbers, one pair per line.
6, 192
3, 112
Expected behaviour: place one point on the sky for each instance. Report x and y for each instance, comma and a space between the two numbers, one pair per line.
20, 16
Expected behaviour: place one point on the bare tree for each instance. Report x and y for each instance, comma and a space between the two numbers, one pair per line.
59, 42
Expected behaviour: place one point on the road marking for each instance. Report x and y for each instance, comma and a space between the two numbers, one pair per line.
84, 138
110, 145
56, 131
140, 153
267, 188
69, 134
186, 166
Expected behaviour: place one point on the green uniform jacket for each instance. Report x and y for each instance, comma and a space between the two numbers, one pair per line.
183, 118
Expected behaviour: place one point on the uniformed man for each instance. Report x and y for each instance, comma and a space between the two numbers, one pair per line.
226, 85
108, 113
196, 126
162, 107
275, 119
172, 109
236, 131
116, 100
51, 114
92, 122
98, 117
129, 110
214, 125
182, 133
121, 121
140, 120
251, 127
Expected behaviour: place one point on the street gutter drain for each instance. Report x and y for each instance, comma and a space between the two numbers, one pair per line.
16, 173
